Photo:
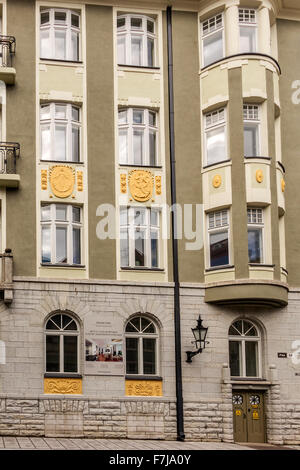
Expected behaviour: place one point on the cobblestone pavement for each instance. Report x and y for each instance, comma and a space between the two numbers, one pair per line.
46, 443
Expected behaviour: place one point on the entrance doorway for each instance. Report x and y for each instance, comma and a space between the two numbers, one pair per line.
248, 416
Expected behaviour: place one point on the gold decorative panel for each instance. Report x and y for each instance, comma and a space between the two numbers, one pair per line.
217, 181
143, 388
282, 185
158, 185
44, 182
259, 176
62, 179
123, 184
141, 185
79, 180
63, 386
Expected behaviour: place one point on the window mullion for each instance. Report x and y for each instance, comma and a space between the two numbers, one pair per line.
61, 353
141, 358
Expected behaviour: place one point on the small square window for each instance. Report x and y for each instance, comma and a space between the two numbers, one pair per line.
150, 26
121, 23
138, 117
136, 23
45, 17
60, 17
75, 114
76, 214
61, 212
75, 20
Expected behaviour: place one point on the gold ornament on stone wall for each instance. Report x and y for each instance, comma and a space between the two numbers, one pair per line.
62, 180
79, 180
44, 182
143, 388
158, 185
123, 184
65, 386
217, 181
259, 176
141, 185
282, 185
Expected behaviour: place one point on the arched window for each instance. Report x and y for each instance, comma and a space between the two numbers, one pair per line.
141, 346
244, 349
62, 336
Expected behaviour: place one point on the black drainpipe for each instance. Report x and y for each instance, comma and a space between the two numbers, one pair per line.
179, 398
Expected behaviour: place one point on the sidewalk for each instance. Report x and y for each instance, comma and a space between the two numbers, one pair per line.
46, 443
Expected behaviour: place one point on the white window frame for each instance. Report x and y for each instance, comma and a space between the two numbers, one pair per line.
130, 228
144, 127
252, 117
52, 26
140, 335
255, 220
217, 122
242, 339
68, 123
210, 32
218, 221
245, 20
53, 223
61, 333
127, 31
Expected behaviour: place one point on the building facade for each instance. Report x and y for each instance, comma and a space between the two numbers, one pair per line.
87, 336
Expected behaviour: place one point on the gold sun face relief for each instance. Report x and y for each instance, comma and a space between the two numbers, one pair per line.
217, 181
62, 179
259, 176
141, 185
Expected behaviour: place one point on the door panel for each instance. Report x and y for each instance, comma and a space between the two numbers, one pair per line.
248, 416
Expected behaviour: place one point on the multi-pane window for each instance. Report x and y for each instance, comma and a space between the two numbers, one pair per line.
60, 132
251, 130
248, 30
255, 235
138, 137
139, 237
62, 337
60, 34
136, 40
218, 233
61, 227
215, 136
244, 349
141, 346
212, 40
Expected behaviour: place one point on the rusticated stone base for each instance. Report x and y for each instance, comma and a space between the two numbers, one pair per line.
138, 419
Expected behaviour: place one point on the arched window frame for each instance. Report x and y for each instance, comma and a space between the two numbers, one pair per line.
50, 26
61, 333
145, 34
242, 339
140, 335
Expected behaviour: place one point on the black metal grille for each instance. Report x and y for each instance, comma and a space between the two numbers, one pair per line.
7, 49
9, 152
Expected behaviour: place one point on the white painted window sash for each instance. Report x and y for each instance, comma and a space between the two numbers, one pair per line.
211, 33
142, 33
146, 128
222, 123
53, 223
68, 123
67, 27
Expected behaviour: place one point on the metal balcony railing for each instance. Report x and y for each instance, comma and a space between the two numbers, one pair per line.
7, 50
9, 152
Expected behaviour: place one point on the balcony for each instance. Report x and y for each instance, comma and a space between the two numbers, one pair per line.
6, 276
9, 153
7, 50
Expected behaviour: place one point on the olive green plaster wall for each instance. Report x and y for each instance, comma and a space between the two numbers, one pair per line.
100, 124
288, 45
21, 125
187, 131
236, 153
273, 178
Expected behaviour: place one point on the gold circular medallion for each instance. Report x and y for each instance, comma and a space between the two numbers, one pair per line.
62, 179
259, 176
217, 181
141, 185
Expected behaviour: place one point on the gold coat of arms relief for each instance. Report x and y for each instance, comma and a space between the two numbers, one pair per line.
62, 180
141, 185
